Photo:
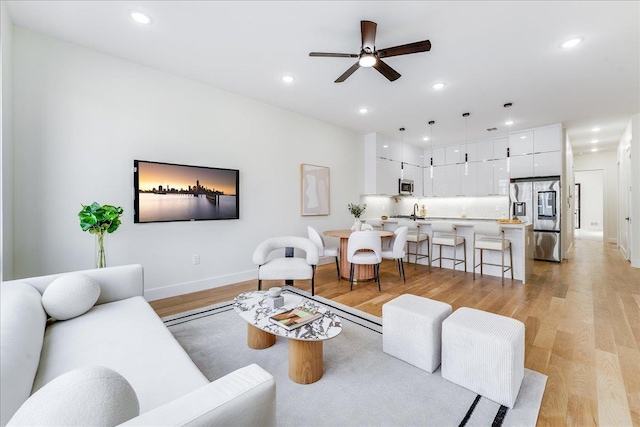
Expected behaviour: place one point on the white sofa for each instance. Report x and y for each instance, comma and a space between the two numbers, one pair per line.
121, 332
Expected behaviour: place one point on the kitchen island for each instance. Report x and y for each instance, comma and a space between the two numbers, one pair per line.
520, 235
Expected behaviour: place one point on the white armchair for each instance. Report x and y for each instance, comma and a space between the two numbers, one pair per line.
287, 268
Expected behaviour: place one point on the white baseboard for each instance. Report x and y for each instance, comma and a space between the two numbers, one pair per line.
612, 240
200, 285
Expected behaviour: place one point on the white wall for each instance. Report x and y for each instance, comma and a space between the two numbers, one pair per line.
6, 141
592, 195
607, 163
80, 119
635, 182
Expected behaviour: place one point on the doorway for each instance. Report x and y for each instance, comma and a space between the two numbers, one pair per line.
589, 205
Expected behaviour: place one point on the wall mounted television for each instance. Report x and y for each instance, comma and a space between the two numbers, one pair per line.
165, 192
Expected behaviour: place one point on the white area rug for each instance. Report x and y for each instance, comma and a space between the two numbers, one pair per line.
361, 385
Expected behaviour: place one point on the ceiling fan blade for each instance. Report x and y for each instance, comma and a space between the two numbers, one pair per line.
405, 49
347, 73
334, 55
386, 71
368, 30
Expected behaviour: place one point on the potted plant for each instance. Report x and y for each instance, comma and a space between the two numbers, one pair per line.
100, 220
356, 211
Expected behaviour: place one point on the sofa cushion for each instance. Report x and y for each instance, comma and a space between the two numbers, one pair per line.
128, 337
22, 323
89, 396
70, 296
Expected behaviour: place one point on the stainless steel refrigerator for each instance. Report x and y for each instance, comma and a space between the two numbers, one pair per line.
537, 201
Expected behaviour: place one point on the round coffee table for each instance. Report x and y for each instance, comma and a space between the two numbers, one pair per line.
305, 342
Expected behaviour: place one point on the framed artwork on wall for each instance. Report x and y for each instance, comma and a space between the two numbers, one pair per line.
314, 190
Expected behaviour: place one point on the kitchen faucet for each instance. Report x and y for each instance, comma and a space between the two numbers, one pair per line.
415, 209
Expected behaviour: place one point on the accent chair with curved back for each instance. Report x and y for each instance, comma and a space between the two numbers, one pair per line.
365, 248
324, 251
396, 249
286, 268
366, 227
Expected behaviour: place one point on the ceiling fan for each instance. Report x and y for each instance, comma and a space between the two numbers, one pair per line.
370, 57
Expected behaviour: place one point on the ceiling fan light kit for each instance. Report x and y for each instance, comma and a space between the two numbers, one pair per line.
370, 57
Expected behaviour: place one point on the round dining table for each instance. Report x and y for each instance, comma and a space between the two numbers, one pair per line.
361, 272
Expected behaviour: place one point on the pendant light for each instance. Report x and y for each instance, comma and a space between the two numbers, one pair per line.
508, 122
401, 153
466, 155
431, 123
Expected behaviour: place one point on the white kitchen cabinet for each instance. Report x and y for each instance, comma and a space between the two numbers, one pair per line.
547, 164
547, 138
471, 149
412, 155
439, 156
427, 183
387, 175
500, 146
452, 180
387, 148
484, 176
453, 154
438, 182
521, 143
484, 150
522, 166
500, 177
469, 182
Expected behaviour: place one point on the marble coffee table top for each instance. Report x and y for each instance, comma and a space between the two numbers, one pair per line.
254, 308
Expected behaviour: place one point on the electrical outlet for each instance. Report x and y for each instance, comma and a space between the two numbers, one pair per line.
196, 259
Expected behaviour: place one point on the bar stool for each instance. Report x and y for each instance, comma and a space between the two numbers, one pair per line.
492, 239
416, 237
448, 239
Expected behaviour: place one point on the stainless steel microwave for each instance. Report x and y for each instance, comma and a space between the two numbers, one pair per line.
405, 187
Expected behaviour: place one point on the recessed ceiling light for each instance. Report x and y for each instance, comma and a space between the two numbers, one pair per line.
363, 110
438, 86
594, 141
140, 17
593, 150
288, 79
523, 137
596, 129
509, 122
385, 146
456, 151
572, 42
426, 138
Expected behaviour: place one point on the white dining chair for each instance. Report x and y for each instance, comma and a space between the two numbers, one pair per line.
365, 248
366, 227
396, 249
323, 250
491, 238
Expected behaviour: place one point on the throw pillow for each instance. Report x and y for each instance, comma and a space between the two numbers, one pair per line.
70, 296
88, 396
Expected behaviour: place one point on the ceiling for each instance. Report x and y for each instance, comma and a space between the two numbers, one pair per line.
487, 53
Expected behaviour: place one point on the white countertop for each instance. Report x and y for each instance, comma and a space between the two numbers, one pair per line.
462, 222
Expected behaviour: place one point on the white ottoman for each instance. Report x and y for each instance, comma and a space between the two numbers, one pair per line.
484, 352
411, 330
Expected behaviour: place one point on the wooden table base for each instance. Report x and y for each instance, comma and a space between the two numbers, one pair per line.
305, 361
259, 339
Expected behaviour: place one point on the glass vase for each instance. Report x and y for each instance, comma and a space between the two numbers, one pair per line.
101, 255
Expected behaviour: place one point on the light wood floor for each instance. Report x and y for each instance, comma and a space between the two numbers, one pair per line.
582, 322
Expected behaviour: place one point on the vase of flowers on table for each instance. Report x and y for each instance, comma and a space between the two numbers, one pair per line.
100, 220
356, 211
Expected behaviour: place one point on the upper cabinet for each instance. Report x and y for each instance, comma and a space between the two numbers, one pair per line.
521, 143
536, 152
